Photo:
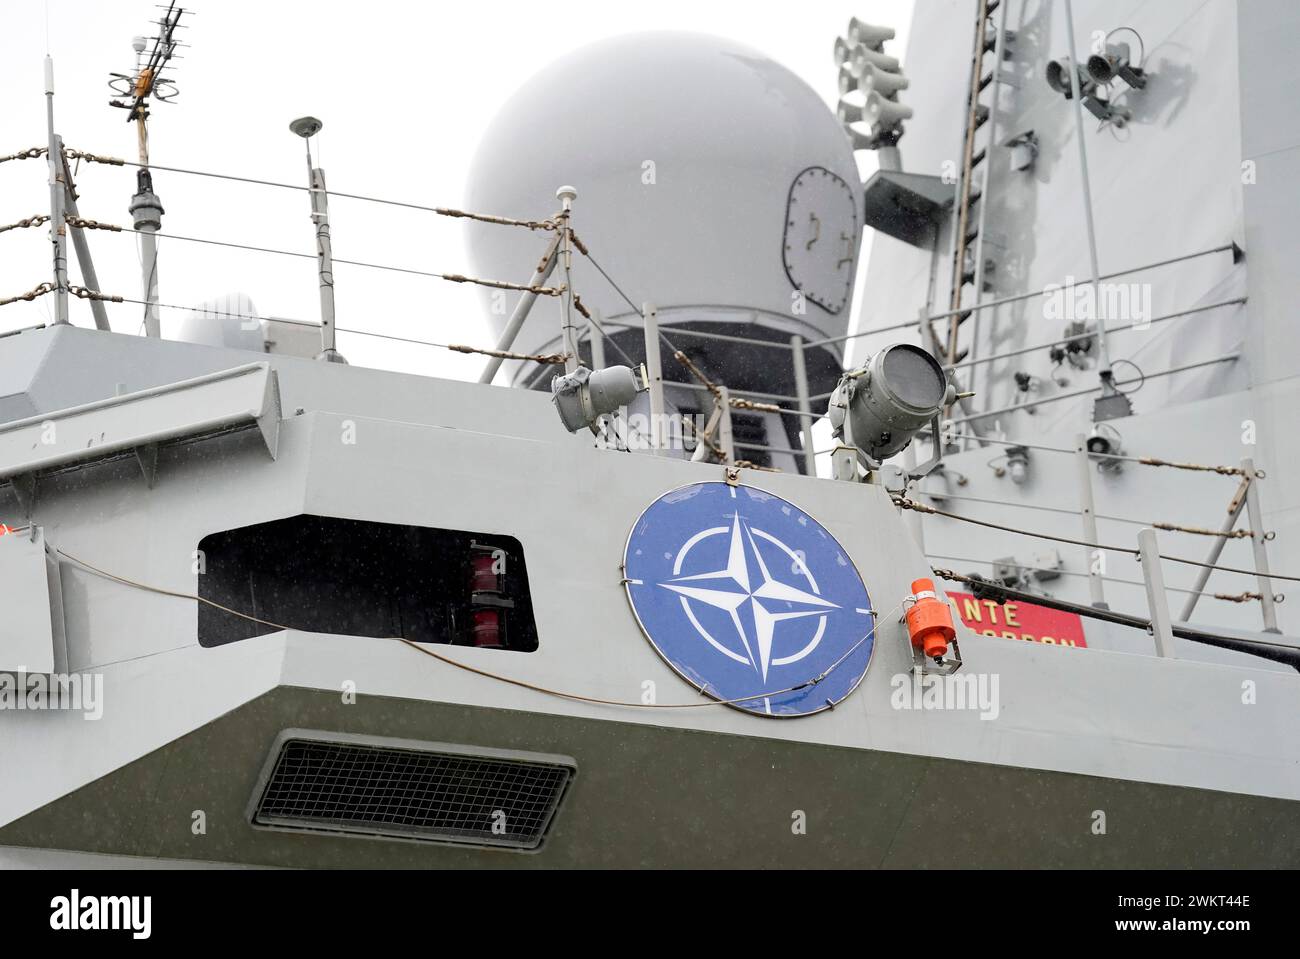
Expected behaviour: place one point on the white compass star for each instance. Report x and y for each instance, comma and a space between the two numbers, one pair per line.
769, 594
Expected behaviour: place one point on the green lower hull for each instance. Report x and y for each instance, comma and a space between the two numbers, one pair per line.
651, 797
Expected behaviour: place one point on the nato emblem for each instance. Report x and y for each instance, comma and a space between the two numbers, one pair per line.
750, 599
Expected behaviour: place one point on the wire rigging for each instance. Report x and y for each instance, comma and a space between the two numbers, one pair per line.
439, 210
904, 503
450, 661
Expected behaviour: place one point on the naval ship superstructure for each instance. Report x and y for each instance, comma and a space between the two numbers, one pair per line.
263, 607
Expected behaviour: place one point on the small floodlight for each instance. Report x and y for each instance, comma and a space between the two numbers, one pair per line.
583, 396
1114, 62
878, 408
1018, 464
1104, 445
1058, 77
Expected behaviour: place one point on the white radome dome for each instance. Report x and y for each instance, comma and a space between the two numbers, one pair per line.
687, 152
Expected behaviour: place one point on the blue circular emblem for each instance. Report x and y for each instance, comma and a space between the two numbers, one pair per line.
750, 599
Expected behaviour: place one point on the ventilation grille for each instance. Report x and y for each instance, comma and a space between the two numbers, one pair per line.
437, 794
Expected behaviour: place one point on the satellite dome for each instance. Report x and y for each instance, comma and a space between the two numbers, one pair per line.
712, 182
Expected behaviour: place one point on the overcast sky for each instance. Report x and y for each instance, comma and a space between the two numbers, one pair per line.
405, 91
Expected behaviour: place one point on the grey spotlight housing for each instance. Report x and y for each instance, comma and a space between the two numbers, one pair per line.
1058, 77
1105, 446
1018, 464
1114, 62
583, 396
878, 408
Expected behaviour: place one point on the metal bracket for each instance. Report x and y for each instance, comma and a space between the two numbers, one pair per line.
844, 464
269, 422
928, 667
936, 454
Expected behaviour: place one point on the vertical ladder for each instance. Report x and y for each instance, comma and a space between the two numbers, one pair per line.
965, 231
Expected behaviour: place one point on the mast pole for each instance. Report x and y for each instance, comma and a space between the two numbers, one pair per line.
58, 226
146, 208
308, 127
566, 195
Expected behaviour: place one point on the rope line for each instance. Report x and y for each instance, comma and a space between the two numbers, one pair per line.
450, 661
1202, 531
85, 294
1172, 527
554, 359
81, 293
72, 154
740, 403
82, 223
450, 277
1221, 470
39, 290
30, 221
1002, 594
690, 366
440, 210
546, 358
1143, 460
29, 154
922, 508
1227, 597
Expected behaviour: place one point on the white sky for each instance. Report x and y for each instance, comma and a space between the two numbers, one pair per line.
405, 91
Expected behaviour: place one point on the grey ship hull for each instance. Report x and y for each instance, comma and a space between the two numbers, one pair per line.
1184, 773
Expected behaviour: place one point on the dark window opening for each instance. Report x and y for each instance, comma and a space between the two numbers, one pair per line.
356, 578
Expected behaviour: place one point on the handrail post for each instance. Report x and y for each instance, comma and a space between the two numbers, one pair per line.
805, 407
1088, 511
520, 313
1203, 575
1157, 600
1256, 517
58, 227
726, 439
654, 374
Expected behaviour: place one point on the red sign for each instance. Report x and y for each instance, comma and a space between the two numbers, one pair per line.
1016, 620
